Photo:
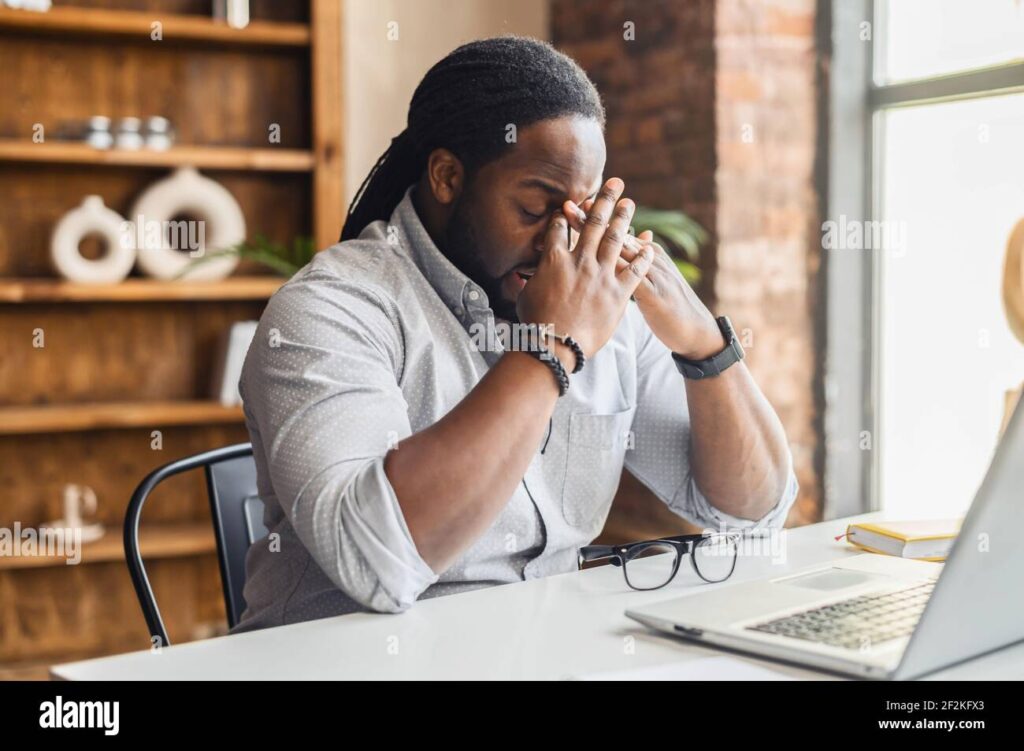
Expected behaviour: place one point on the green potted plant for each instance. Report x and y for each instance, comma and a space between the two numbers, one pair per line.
285, 260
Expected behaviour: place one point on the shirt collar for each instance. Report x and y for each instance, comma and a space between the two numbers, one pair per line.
456, 289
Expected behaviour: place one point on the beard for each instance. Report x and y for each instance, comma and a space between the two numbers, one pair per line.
462, 247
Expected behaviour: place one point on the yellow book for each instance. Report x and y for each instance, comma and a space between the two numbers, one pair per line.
923, 539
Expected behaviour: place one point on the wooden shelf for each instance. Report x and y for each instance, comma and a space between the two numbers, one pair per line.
121, 24
202, 157
288, 68
63, 418
24, 290
158, 540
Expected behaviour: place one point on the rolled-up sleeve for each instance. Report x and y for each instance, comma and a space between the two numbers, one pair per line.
696, 506
320, 383
661, 433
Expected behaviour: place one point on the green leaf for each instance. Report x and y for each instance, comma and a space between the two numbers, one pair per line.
677, 232
286, 261
690, 272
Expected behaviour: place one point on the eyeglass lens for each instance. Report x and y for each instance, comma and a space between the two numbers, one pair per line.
714, 557
652, 567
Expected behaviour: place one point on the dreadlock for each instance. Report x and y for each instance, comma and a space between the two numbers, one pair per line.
464, 104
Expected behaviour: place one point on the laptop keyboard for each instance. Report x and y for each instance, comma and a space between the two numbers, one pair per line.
867, 619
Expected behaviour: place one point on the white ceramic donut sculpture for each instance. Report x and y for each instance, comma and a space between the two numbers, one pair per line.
92, 218
187, 193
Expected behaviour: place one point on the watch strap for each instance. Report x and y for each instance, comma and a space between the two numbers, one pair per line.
716, 364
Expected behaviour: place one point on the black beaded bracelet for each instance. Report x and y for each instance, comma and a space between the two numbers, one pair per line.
577, 350
548, 357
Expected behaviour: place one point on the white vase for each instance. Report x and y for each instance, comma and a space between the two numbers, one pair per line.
216, 224
92, 218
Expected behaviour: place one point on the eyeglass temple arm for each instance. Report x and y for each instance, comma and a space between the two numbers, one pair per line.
690, 540
597, 552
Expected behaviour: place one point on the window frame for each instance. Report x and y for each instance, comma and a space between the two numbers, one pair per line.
853, 315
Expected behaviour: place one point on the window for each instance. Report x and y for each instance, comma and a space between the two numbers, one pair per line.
921, 39
942, 183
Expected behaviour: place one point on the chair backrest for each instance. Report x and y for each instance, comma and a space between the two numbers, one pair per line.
237, 513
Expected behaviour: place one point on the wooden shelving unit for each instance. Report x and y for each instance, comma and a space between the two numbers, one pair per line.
91, 372
137, 290
202, 157
65, 418
119, 25
167, 540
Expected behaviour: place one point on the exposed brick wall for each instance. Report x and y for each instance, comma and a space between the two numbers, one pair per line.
767, 249
712, 109
658, 93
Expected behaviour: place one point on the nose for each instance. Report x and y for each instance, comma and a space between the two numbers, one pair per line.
538, 240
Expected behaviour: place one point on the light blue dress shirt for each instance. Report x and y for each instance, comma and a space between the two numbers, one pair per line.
376, 339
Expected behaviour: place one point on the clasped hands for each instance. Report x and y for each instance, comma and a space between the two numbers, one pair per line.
669, 304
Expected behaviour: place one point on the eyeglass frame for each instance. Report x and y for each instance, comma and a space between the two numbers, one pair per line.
683, 545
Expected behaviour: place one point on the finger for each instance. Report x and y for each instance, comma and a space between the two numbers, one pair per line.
633, 245
577, 216
598, 217
622, 262
626, 257
616, 233
632, 276
647, 287
556, 239
630, 250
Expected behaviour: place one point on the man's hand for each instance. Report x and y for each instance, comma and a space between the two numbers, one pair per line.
729, 416
585, 292
669, 305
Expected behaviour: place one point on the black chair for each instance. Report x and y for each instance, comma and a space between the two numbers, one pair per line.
237, 513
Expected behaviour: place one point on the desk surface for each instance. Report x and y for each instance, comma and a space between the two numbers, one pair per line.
557, 627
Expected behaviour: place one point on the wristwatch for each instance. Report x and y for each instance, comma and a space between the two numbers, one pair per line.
733, 353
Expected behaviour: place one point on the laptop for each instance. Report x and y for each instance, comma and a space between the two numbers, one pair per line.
879, 616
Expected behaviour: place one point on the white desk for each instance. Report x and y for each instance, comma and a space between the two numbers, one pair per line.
553, 628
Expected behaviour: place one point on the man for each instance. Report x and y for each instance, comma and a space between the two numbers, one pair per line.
397, 457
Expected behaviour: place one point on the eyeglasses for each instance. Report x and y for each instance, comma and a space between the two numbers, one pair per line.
652, 564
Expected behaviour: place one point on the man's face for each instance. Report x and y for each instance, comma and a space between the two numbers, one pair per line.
498, 223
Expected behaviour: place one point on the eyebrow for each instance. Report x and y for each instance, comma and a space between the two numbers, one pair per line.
554, 190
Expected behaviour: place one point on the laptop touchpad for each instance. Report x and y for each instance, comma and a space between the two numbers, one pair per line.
834, 578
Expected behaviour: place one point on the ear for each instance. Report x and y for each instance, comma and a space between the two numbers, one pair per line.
446, 176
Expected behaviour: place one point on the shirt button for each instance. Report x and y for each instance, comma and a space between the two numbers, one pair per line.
474, 295
458, 311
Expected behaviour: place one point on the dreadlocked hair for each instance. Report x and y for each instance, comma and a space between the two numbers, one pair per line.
465, 104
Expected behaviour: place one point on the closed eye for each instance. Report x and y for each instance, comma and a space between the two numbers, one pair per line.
530, 215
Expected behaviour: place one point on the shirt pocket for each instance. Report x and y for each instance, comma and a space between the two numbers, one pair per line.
596, 450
